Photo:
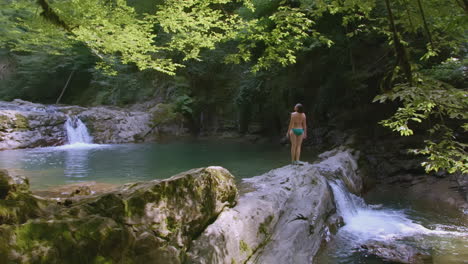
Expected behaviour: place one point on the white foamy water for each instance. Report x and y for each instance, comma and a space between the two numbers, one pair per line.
364, 222
77, 132
78, 146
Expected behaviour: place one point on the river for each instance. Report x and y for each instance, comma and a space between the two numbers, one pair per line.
383, 215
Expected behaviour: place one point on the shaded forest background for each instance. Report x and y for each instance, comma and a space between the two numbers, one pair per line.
357, 50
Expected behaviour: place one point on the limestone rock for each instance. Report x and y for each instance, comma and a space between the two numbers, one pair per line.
26, 125
23, 125
341, 163
282, 218
17, 204
398, 253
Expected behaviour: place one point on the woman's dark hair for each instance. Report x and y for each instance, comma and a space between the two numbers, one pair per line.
300, 108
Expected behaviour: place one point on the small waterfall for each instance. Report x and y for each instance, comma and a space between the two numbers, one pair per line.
77, 132
348, 204
365, 222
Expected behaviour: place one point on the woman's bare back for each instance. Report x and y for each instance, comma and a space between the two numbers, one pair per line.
297, 120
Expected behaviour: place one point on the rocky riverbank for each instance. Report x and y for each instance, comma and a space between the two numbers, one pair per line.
193, 217
147, 222
27, 125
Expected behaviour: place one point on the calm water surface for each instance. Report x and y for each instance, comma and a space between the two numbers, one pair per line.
46, 167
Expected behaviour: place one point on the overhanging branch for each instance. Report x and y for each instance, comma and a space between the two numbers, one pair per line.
49, 14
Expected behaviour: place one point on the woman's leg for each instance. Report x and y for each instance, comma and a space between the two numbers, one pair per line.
298, 146
292, 138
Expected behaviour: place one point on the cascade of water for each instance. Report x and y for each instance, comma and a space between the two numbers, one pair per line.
77, 132
348, 204
366, 223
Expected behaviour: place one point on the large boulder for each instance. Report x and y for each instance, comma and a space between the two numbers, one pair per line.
283, 216
116, 125
146, 222
398, 253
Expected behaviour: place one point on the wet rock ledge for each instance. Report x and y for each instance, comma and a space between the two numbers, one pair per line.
283, 217
197, 216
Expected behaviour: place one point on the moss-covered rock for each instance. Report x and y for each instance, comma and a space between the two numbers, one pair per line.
146, 222
4, 184
21, 122
17, 204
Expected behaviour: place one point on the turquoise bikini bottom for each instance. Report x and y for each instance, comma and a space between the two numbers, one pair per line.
298, 131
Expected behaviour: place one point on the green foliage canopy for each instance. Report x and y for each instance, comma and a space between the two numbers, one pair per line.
169, 35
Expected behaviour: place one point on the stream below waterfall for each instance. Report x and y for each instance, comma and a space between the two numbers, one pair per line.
387, 219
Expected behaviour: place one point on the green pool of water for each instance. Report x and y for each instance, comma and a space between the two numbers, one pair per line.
48, 167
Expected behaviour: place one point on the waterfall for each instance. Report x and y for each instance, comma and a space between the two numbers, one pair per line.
365, 222
77, 132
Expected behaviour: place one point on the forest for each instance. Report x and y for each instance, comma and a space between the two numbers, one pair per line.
231, 63
156, 131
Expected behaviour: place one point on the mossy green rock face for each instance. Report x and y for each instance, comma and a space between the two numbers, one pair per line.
147, 222
4, 184
21, 122
17, 204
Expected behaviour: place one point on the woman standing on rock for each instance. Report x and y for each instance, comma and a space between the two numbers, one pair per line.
297, 131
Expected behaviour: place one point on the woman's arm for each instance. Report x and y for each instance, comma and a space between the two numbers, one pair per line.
290, 126
304, 125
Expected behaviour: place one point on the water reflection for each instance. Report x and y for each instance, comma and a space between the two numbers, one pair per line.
117, 164
76, 163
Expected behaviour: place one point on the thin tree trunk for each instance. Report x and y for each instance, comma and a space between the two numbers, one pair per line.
409, 17
350, 53
65, 87
402, 56
351, 59
426, 27
463, 4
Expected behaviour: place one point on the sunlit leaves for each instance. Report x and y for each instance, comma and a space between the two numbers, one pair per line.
430, 98
447, 23
445, 153
281, 34
352, 10
195, 25
112, 29
23, 29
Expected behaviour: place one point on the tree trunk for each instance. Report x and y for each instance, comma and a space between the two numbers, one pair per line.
409, 17
401, 54
65, 87
426, 27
